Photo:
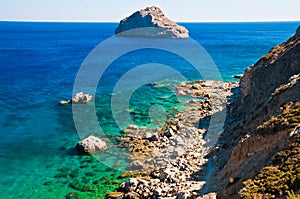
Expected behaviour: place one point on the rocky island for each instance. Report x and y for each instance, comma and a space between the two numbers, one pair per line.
150, 22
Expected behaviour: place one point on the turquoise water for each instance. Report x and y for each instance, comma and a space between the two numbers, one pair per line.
38, 67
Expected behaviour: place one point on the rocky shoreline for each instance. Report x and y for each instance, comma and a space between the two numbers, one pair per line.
170, 161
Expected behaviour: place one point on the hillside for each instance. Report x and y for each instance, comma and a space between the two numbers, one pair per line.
260, 139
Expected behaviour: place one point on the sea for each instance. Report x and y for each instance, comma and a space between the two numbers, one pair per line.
41, 63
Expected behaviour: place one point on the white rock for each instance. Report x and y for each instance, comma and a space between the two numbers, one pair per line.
91, 144
81, 98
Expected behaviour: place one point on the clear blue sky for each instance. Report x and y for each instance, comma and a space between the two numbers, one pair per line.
177, 10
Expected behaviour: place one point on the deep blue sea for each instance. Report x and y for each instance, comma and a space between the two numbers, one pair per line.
39, 63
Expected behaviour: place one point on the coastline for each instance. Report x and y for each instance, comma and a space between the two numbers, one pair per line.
170, 161
32, 122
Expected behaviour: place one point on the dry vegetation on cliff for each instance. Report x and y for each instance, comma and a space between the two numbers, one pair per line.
256, 155
283, 176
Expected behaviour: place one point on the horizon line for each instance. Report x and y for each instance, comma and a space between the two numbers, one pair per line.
94, 21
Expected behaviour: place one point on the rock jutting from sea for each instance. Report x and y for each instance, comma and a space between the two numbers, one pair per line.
91, 144
150, 22
79, 98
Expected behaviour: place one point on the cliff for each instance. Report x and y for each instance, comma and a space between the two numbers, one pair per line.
260, 123
154, 24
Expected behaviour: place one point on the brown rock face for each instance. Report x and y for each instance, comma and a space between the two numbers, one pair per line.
265, 87
153, 23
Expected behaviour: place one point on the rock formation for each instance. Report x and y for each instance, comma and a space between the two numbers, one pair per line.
153, 23
81, 98
91, 144
251, 137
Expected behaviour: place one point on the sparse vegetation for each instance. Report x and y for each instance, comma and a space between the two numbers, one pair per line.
283, 177
281, 89
292, 195
268, 56
275, 50
287, 120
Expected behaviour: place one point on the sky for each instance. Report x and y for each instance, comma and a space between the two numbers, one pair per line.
177, 10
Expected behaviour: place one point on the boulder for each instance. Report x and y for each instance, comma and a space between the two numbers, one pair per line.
157, 24
81, 98
91, 144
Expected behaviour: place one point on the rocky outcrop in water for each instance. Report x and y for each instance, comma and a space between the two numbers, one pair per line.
91, 144
153, 23
250, 138
79, 98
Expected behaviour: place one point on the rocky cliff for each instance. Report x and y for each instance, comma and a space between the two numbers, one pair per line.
259, 122
154, 24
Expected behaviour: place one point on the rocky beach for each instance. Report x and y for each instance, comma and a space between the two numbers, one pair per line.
170, 161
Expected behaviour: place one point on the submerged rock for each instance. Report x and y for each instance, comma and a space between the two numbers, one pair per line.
72, 195
130, 129
91, 144
115, 195
157, 24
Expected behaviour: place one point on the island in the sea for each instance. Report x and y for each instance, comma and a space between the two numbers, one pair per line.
150, 22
